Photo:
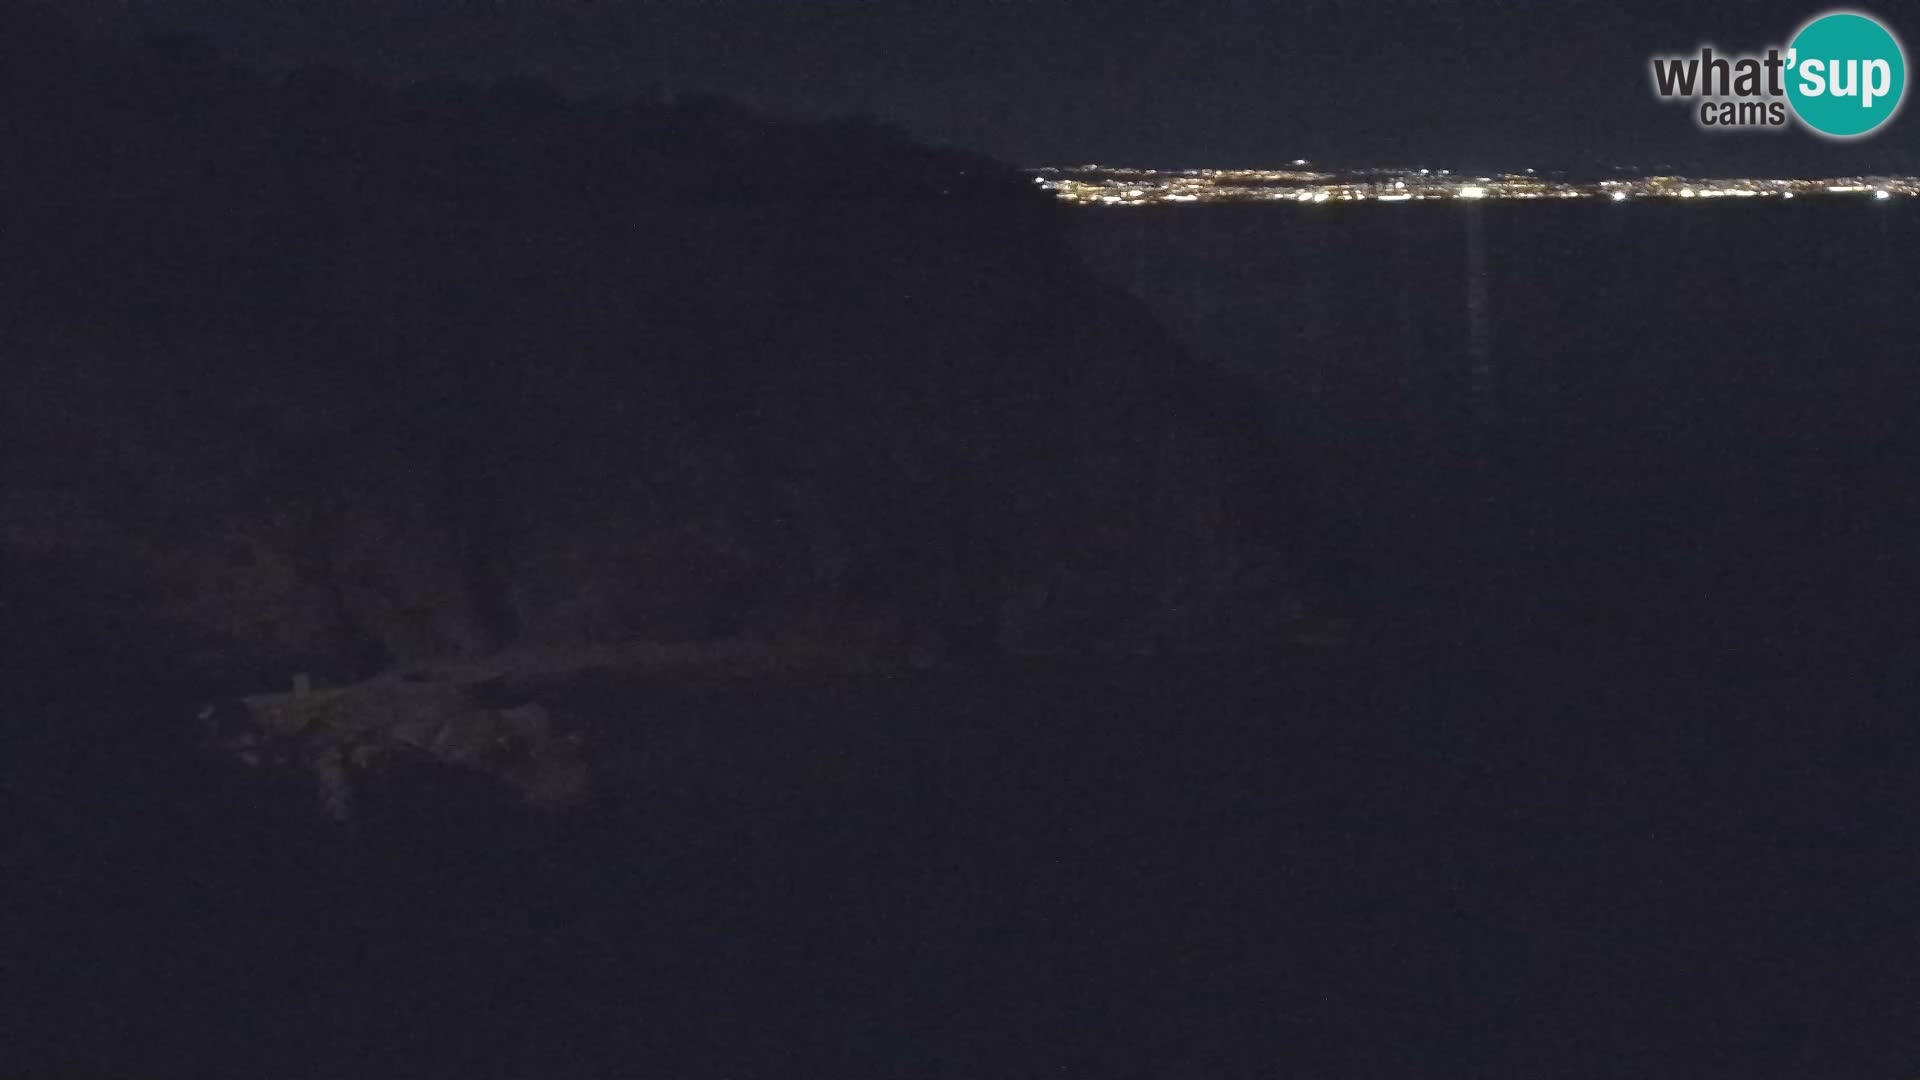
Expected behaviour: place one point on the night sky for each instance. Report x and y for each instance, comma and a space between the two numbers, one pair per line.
1150, 82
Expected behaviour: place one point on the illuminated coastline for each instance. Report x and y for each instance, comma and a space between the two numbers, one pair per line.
1095, 185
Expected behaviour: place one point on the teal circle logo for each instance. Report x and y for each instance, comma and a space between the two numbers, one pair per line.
1846, 75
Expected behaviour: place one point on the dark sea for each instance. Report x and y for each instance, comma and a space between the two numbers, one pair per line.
1691, 424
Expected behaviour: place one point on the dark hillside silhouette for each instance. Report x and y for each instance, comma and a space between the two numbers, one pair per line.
362, 375
316, 376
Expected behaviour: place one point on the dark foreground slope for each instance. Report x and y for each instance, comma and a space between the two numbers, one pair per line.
1172, 867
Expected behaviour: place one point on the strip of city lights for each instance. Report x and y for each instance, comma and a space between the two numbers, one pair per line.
1140, 187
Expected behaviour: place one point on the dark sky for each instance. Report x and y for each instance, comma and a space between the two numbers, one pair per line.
1496, 83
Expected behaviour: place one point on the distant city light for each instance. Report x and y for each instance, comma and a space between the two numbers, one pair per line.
1102, 185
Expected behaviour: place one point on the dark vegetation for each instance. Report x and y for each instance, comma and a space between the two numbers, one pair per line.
314, 374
